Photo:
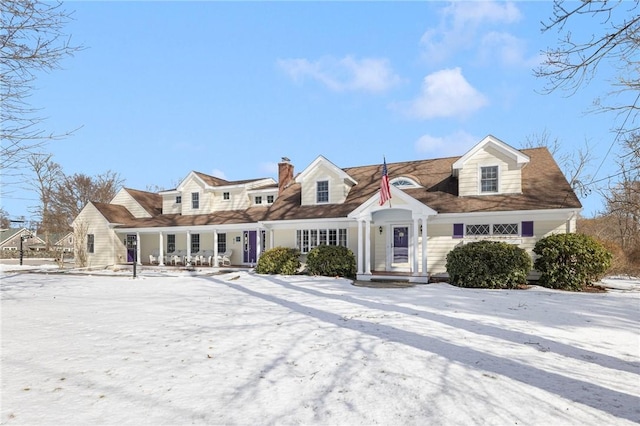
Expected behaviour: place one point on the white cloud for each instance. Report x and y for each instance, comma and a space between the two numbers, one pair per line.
446, 93
219, 174
465, 24
346, 74
506, 49
454, 144
270, 169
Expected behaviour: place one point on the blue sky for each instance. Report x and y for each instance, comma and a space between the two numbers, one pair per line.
228, 88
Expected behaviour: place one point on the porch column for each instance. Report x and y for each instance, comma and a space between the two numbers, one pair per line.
161, 249
367, 246
214, 261
258, 244
138, 249
424, 247
188, 258
360, 251
414, 257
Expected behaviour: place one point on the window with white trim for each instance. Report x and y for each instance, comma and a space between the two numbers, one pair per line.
404, 182
258, 199
195, 243
495, 229
489, 179
90, 243
269, 199
505, 229
477, 230
178, 199
226, 196
195, 200
308, 239
222, 243
171, 243
322, 191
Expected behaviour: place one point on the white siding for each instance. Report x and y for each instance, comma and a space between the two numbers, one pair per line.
509, 175
169, 205
187, 189
123, 198
238, 200
338, 190
108, 249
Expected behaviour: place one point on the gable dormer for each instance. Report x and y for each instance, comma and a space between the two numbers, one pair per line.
322, 182
491, 167
125, 198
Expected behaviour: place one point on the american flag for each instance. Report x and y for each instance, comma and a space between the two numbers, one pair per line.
385, 191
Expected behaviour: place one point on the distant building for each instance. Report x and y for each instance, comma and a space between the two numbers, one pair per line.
10, 240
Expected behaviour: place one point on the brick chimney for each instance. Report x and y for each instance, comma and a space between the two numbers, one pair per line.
285, 174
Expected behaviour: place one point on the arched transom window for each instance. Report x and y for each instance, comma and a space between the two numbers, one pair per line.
404, 182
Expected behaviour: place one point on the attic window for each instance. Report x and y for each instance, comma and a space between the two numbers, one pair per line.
404, 182
322, 191
489, 179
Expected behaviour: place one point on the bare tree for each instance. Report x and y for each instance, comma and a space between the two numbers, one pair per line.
80, 243
623, 198
5, 222
574, 164
611, 42
47, 174
32, 40
74, 192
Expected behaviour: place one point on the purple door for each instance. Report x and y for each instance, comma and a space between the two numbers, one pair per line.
249, 247
131, 248
400, 244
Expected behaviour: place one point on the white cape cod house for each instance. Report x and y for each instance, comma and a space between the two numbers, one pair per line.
492, 192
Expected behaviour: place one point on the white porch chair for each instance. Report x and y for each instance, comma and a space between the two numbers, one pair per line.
225, 258
207, 256
154, 257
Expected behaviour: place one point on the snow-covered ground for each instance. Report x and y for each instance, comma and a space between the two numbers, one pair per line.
243, 349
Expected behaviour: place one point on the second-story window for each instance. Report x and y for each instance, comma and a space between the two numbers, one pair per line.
195, 200
322, 192
489, 179
258, 199
225, 196
269, 199
178, 199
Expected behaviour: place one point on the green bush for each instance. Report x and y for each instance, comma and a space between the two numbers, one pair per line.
279, 260
570, 261
488, 264
331, 261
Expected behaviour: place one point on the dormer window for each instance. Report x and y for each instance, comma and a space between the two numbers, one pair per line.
269, 199
195, 200
225, 196
489, 179
258, 199
322, 191
404, 182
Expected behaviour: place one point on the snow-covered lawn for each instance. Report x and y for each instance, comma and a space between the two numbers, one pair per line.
246, 349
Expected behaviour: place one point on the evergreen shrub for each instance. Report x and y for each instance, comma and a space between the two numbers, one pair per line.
279, 260
331, 261
570, 261
488, 264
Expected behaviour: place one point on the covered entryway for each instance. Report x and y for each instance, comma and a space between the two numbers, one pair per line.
392, 238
